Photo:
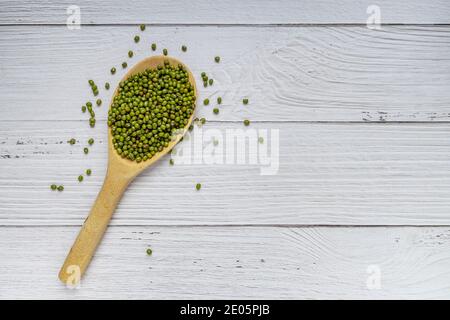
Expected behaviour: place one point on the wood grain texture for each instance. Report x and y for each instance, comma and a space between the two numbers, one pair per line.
372, 174
230, 263
240, 236
289, 73
224, 12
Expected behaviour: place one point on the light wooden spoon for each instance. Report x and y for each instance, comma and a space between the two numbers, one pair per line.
119, 174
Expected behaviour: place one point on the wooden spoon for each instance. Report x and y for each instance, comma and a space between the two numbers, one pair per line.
118, 176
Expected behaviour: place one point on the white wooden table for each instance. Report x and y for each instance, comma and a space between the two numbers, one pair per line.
363, 189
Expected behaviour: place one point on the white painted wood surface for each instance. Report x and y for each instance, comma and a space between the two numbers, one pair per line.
290, 73
313, 71
225, 12
233, 262
364, 174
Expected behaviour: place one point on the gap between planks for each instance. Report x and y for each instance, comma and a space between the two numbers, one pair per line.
281, 226
250, 25
344, 122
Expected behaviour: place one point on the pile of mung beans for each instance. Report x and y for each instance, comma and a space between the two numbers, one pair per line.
148, 109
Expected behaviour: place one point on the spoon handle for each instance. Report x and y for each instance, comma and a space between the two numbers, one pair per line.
93, 228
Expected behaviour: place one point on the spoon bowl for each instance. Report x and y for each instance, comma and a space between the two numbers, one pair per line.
119, 174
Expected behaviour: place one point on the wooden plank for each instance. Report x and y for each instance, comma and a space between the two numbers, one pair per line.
363, 174
225, 12
230, 263
289, 73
